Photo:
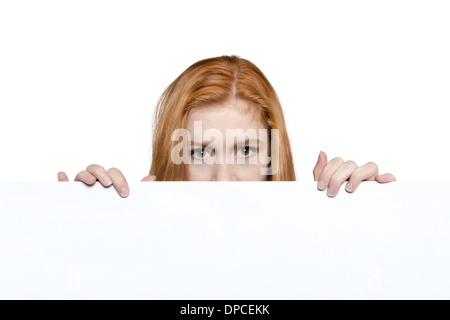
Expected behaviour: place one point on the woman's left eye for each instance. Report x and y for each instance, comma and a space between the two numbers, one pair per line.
246, 151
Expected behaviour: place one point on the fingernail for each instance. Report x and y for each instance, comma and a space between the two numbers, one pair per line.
125, 192
349, 187
330, 192
91, 179
321, 185
154, 177
107, 181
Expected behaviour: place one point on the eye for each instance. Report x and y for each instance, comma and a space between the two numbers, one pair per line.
246, 151
200, 153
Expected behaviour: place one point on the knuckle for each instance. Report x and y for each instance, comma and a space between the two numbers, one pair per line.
94, 167
113, 169
337, 160
80, 174
373, 165
351, 163
117, 176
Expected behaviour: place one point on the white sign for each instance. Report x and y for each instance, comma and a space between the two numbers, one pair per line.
224, 240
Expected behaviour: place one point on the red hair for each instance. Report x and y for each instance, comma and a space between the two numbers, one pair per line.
215, 81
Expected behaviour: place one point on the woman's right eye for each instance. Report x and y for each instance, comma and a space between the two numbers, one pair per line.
200, 153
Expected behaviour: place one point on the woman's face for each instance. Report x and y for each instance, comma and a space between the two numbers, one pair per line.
238, 157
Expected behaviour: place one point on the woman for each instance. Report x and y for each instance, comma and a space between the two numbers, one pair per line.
208, 100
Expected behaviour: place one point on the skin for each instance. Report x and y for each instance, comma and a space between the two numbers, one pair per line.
331, 175
231, 115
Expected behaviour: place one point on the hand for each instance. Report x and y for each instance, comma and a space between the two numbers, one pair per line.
113, 176
333, 174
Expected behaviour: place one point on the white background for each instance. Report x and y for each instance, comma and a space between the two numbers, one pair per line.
361, 80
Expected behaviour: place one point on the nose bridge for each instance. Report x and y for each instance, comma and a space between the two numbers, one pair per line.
223, 172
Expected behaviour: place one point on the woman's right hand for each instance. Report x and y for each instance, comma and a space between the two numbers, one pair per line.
113, 176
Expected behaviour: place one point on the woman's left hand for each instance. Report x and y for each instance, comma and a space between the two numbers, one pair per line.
332, 174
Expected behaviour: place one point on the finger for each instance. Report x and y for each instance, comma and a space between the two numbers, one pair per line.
62, 176
367, 172
384, 178
320, 165
328, 172
100, 173
119, 182
149, 178
341, 174
85, 177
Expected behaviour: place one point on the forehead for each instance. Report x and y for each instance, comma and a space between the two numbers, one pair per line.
234, 114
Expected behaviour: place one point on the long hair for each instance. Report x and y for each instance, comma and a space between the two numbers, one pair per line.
215, 81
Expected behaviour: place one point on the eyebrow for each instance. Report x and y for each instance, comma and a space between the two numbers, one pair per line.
206, 143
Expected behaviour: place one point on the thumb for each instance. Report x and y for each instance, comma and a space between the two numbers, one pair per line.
149, 178
320, 165
62, 176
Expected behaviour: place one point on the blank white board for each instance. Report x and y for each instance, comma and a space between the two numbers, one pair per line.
224, 240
